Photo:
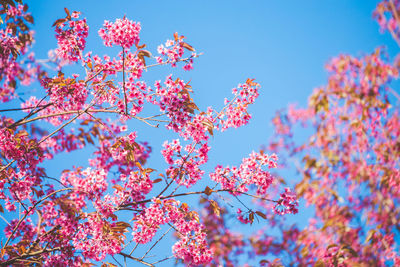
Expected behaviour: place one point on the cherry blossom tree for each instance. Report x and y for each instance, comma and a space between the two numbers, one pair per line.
79, 218
349, 163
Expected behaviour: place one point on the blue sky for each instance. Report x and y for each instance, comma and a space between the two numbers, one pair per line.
284, 45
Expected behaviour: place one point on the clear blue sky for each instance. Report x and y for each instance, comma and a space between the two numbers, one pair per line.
284, 45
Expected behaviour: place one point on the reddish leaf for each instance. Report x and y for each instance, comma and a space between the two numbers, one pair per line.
29, 18
58, 22
67, 12
187, 46
208, 191
262, 215
216, 208
157, 180
118, 187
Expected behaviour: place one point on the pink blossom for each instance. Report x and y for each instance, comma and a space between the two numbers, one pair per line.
122, 32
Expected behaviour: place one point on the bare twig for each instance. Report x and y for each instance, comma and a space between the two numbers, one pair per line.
144, 255
196, 193
24, 256
136, 259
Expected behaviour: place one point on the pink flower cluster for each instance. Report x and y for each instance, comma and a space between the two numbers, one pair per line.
173, 101
17, 146
66, 94
185, 168
15, 39
135, 187
26, 229
97, 239
241, 217
90, 182
173, 51
14, 11
197, 128
387, 18
71, 38
250, 172
9, 68
122, 32
122, 153
235, 113
136, 95
147, 224
192, 247
287, 203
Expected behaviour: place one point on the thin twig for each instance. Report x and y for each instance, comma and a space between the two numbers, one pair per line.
195, 193
134, 248
65, 113
394, 11
155, 243
136, 259
24, 256
19, 109
157, 64
116, 260
167, 258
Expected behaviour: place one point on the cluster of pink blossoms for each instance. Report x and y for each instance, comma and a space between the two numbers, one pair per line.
71, 38
9, 68
15, 39
197, 128
173, 51
134, 188
91, 182
17, 146
26, 229
250, 172
185, 168
236, 113
387, 18
287, 203
173, 101
66, 94
123, 32
122, 153
192, 246
97, 239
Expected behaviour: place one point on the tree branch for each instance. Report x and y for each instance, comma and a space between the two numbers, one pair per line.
136, 259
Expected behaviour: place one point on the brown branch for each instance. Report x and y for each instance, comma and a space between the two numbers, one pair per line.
66, 113
158, 64
24, 256
391, 31
197, 193
144, 255
31, 113
18, 109
94, 75
136, 259
151, 118
394, 11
